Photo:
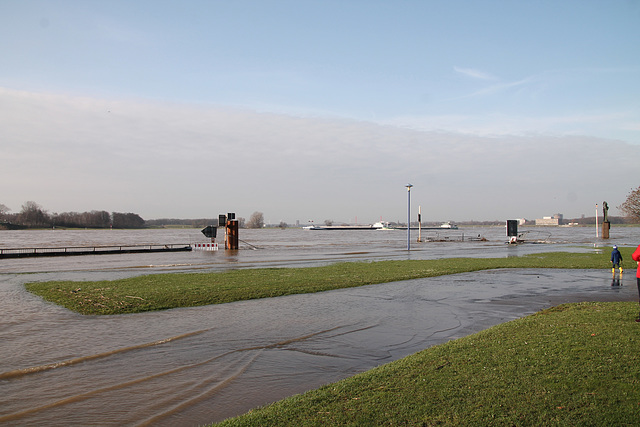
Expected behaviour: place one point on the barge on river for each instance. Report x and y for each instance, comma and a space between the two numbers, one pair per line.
379, 226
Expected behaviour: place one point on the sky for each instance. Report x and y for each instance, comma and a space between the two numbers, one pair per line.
320, 110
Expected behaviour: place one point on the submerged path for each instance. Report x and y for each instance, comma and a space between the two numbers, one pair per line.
197, 365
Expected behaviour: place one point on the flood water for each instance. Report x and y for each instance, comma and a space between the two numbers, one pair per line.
198, 365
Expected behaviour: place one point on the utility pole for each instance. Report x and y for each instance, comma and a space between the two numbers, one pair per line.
408, 216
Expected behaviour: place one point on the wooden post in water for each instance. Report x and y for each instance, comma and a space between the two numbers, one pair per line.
231, 241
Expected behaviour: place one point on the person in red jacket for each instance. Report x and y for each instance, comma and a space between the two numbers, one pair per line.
636, 257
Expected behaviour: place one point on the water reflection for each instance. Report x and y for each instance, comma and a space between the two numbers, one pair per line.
616, 280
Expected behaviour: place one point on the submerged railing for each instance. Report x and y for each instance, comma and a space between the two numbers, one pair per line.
92, 250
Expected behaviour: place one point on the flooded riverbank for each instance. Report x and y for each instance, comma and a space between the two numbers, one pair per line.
295, 247
197, 365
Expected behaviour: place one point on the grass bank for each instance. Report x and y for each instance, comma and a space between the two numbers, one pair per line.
164, 291
575, 364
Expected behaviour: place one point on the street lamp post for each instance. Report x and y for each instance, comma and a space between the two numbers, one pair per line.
408, 216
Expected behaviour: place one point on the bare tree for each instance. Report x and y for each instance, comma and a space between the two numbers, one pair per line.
256, 220
32, 215
3, 211
631, 206
93, 219
127, 220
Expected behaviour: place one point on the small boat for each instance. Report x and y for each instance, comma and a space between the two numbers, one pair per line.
382, 226
449, 225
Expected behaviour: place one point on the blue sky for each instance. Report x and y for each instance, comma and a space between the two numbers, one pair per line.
346, 100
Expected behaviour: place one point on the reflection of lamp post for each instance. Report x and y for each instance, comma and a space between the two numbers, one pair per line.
408, 216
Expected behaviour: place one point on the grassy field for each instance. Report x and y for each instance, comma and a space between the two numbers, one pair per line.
164, 291
575, 364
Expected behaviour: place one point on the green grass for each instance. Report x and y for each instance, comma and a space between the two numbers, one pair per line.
164, 291
575, 364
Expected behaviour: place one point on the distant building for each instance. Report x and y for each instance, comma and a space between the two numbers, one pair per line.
550, 220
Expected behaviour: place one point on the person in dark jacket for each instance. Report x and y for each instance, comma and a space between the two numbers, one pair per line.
616, 259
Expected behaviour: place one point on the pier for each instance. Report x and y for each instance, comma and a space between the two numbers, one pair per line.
91, 250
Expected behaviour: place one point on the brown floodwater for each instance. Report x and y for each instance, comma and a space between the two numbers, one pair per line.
198, 365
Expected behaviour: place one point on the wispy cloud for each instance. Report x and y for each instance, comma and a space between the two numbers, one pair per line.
621, 123
473, 73
491, 85
504, 86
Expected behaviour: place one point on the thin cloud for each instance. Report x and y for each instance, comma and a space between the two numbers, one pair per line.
497, 88
622, 123
473, 73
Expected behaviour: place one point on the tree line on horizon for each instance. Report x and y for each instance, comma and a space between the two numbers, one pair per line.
32, 215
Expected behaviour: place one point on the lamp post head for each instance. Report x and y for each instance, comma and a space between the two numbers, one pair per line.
409, 187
